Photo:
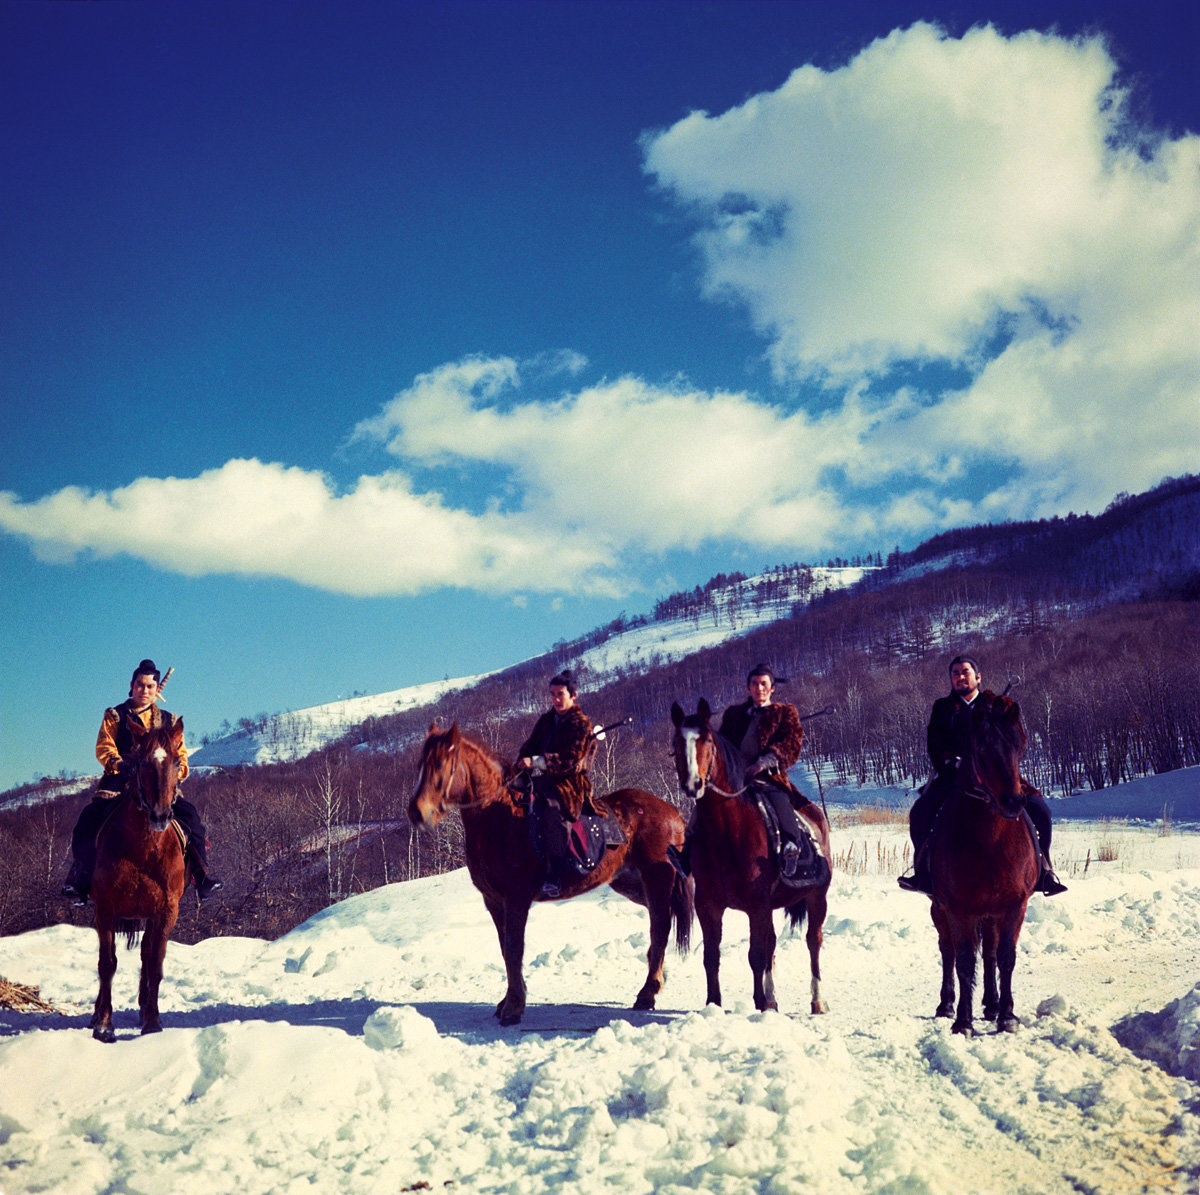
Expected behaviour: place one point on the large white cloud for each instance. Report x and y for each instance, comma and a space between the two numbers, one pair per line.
258, 519
983, 202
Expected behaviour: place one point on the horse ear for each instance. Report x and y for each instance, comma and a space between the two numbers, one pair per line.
177, 731
1013, 712
433, 727
455, 735
676, 714
704, 710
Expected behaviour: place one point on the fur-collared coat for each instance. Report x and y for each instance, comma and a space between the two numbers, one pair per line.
780, 732
115, 740
566, 743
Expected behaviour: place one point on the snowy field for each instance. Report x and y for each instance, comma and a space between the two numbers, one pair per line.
359, 1054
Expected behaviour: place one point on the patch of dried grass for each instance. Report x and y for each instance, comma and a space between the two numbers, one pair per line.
22, 998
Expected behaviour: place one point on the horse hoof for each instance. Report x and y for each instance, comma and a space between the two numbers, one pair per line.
104, 1033
1007, 1024
644, 1004
967, 1030
944, 1010
151, 1029
818, 1007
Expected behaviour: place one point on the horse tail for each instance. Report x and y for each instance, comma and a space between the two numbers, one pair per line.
683, 909
131, 927
796, 914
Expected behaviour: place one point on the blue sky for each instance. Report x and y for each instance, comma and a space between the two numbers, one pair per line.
348, 346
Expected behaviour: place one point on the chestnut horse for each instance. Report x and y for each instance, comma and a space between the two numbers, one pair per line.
139, 874
731, 859
984, 868
458, 771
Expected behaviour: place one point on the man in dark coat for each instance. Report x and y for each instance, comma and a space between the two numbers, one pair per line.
948, 741
556, 755
114, 744
768, 736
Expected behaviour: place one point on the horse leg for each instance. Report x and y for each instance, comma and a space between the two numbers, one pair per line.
101, 1023
965, 949
762, 958
659, 883
154, 951
991, 997
1006, 957
945, 1006
817, 905
711, 917
511, 1009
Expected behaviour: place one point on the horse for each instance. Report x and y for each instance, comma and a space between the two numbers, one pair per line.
985, 868
139, 875
731, 859
458, 771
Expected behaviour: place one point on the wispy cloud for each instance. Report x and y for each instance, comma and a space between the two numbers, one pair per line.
980, 203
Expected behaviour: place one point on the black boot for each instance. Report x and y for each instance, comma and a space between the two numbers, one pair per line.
1048, 883
680, 857
77, 886
920, 880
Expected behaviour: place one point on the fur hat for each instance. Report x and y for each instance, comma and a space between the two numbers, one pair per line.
966, 660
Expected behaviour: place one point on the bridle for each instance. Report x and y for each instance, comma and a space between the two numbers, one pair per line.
706, 783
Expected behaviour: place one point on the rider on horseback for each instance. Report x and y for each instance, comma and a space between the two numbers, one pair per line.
556, 756
948, 742
114, 744
768, 735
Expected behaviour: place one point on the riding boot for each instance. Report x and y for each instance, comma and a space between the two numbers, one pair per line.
78, 882
680, 857
206, 885
789, 858
920, 880
1048, 883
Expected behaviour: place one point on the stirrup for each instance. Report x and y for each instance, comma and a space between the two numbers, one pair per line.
913, 883
1049, 884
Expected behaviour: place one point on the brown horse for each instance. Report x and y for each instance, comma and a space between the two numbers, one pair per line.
139, 874
458, 771
731, 859
984, 868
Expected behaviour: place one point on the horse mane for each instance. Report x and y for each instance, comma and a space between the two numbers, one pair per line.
731, 759
480, 751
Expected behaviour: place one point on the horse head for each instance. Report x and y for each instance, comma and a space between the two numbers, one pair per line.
693, 747
992, 767
154, 769
442, 768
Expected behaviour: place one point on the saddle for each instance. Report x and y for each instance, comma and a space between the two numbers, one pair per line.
587, 838
811, 867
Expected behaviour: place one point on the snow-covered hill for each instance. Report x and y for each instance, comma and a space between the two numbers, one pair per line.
275, 738
712, 617
359, 1054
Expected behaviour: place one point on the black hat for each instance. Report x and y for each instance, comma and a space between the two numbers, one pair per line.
966, 660
764, 670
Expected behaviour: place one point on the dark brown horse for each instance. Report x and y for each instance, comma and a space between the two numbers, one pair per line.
732, 862
459, 772
139, 875
984, 868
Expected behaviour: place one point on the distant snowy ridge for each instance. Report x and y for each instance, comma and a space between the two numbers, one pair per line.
279, 738
712, 617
